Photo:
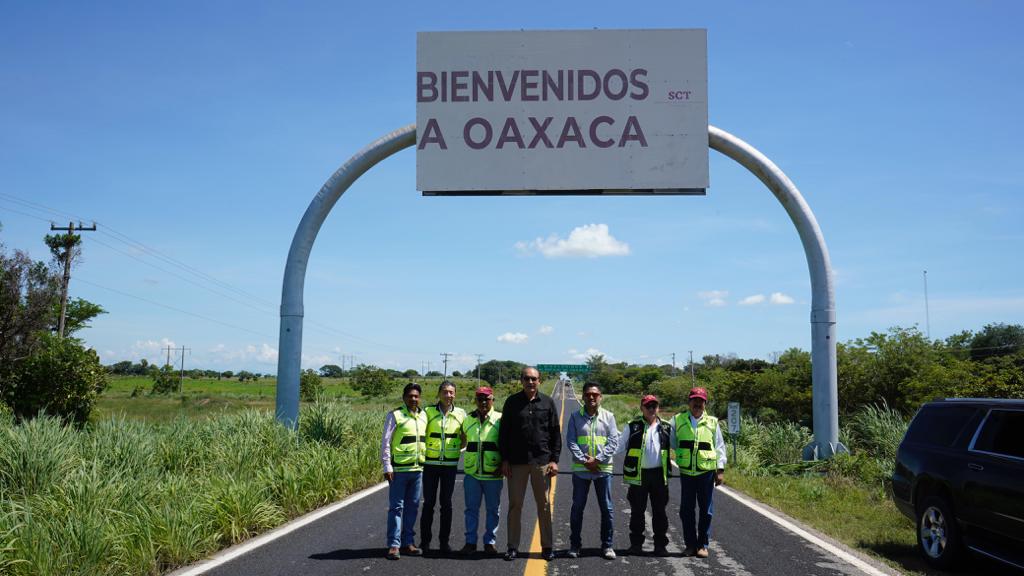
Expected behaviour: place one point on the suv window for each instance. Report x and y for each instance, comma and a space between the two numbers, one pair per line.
939, 425
1002, 434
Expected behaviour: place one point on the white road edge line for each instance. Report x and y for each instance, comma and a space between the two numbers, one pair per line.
250, 545
760, 509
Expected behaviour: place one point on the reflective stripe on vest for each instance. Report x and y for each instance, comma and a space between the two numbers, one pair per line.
635, 445
443, 442
696, 454
591, 444
408, 446
482, 446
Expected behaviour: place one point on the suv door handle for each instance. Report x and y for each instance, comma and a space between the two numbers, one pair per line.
974, 466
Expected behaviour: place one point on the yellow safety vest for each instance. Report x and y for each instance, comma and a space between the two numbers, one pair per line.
408, 446
591, 443
482, 459
443, 442
635, 444
695, 453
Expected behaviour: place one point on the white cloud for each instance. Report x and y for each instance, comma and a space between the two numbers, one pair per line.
587, 241
751, 300
513, 337
577, 355
713, 298
545, 330
779, 298
582, 334
262, 354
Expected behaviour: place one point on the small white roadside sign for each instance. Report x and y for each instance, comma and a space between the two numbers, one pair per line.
734, 417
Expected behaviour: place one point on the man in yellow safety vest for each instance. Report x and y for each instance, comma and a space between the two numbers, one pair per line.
402, 452
482, 467
700, 454
445, 440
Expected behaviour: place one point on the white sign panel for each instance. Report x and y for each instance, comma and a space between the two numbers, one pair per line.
562, 111
734, 417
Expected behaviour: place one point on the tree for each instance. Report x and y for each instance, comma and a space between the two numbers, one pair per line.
310, 385
28, 291
165, 380
410, 374
122, 368
244, 375
331, 371
60, 377
997, 340
227, 374
77, 315
456, 374
370, 381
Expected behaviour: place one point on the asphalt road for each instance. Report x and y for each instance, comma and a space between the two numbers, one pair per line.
350, 541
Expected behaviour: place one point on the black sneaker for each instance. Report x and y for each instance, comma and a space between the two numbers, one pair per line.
636, 550
468, 550
660, 551
547, 554
445, 549
511, 554
490, 550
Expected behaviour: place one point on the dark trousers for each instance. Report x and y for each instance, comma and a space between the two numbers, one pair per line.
433, 476
700, 491
652, 486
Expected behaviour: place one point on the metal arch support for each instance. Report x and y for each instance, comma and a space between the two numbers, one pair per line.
823, 345
289, 358
823, 297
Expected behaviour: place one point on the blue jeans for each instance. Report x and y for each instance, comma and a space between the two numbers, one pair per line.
475, 490
699, 490
580, 490
403, 506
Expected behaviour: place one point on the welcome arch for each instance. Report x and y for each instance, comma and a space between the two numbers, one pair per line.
823, 314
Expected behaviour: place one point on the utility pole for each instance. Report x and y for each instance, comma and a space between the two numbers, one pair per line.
168, 349
673, 363
181, 375
927, 317
445, 355
478, 357
693, 377
69, 247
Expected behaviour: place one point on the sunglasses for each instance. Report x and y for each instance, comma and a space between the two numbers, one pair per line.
484, 398
650, 406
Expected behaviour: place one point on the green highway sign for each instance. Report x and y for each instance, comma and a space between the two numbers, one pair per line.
567, 368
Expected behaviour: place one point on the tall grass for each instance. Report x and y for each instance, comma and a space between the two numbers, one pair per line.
129, 497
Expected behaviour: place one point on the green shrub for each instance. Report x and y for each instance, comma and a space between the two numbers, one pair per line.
60, 377
311, 386
165, 380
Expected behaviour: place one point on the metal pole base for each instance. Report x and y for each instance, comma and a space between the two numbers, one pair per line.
823, 450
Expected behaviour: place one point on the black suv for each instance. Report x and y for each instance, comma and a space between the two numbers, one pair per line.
960, 475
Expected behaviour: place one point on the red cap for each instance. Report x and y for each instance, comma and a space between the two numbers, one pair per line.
648, 399
699, 393
484, 391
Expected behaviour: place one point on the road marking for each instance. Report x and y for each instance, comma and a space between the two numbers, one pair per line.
838, 552
250, 545
539, 566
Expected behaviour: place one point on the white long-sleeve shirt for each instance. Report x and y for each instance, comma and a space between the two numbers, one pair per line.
651, 455
385, 442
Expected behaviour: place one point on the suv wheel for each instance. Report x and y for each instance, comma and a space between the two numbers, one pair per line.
938, 535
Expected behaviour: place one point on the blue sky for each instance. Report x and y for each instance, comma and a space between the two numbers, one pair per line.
196, 133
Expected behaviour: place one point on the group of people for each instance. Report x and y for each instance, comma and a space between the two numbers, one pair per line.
421, 448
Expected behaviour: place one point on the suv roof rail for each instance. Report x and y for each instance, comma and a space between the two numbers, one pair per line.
983, 400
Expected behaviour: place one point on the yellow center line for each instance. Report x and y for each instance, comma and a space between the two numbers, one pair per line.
536, 566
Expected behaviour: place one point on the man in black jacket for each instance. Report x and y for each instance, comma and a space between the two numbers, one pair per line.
530, 440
